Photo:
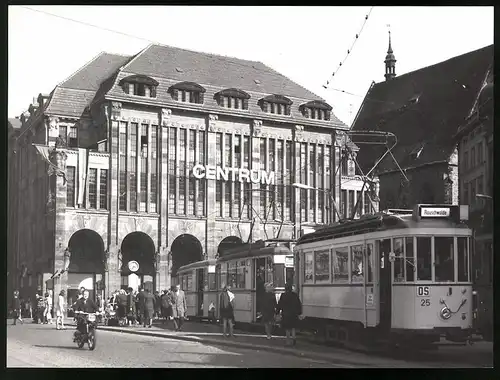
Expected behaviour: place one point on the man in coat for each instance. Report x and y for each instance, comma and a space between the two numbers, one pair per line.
140, 304
149, 308
179, 307
16, 308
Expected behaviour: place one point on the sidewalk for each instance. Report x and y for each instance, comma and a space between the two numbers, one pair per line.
211, 334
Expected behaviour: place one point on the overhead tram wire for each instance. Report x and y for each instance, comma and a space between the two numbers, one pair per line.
349, 51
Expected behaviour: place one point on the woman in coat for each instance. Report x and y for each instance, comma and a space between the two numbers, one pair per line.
226, 310
165, 305
149, 308
290, 307
268, 305
131, 307
121, 300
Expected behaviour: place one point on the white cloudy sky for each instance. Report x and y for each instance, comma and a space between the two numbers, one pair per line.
305, 43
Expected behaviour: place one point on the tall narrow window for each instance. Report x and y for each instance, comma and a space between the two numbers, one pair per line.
143, 192
343, 204
218, 183
70, 186
359, 201
103, 190
367, 205
181, 204
123, 166
153, 195
237, 199
133, 167
172, 154
190, 164
287, 180
351, 203
92, 188
312, 181
279, 180
201, 182
73, 137
246, 152
63, 134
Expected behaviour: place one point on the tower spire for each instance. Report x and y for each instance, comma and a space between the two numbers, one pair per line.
390, 61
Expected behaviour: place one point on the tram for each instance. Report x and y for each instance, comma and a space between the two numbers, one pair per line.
400, 277
198, 280
245, 268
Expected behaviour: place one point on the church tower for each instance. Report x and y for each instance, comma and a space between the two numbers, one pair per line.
390, 62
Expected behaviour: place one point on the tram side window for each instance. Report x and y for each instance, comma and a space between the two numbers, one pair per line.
223, 275
308, 267
424, 259
399, 266
279, 276
240, 274
443, 251
357, 272
370, 256
322, 266
189, 282
409, 259
463, 259
231, 274
212, 283
340, 265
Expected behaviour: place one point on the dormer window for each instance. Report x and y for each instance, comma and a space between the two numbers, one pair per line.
277, 104
139, 85
316, 109
233, 98
187, 92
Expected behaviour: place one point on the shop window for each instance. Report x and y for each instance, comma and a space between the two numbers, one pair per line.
424, 261
463, 259
443, 250
308, 268
322, 266
340, 268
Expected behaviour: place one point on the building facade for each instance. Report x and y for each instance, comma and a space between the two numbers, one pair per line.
423, 109
134, 166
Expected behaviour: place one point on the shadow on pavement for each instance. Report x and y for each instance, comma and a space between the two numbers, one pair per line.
63, 347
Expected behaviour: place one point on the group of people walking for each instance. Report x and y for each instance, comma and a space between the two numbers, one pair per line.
141, 307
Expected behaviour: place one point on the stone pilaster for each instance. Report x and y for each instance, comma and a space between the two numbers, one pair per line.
163, 207
113, 138
211, 158
113, 275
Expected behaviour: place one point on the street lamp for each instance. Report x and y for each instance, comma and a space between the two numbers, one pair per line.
326, 191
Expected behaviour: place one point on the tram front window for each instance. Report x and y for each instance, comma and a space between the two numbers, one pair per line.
424, 261
463, 259
443, 251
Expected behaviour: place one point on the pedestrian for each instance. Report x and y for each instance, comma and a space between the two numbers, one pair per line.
40, 309
269, 305
16, 308
131, 307
157, 304
290, 307
60, 309
29, 308
179, 307
140, 305
226, 310
165, 305
121, 300
149, 308
48, 307
35, 308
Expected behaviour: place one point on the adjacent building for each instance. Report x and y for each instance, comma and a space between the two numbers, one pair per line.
155, 160
423, 108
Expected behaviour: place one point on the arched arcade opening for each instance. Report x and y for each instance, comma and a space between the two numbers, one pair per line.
86, 264
138, 262
228, 243
186, 249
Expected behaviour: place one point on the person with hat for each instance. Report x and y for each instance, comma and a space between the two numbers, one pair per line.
291, 307
268, 308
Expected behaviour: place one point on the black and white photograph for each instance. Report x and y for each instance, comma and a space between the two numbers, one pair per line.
250, 186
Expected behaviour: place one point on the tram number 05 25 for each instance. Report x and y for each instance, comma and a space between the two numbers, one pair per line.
425, 302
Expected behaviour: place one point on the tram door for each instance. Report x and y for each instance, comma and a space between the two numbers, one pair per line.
385, 290
260, 278
200, 287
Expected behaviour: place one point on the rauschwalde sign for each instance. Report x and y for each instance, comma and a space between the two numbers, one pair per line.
233, 174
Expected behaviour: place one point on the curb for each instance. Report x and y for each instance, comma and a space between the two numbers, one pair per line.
228, 343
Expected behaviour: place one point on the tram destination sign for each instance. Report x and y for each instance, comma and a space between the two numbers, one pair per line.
234, 174
435, 212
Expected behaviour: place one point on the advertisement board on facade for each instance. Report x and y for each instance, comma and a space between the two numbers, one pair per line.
234, 174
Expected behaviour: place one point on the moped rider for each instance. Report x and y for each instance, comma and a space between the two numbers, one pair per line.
86, 305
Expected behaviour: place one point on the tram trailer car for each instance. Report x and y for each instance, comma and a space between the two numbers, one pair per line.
416, 289
198, 280
248, 268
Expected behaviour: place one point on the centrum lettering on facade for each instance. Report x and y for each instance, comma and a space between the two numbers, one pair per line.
233, 174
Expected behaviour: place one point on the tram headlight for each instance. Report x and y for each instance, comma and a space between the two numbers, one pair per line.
445, 313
